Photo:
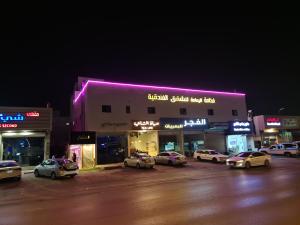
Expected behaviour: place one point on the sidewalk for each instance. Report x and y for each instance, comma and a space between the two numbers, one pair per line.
27, 169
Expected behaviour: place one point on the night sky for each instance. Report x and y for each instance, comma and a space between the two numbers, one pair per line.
43, 53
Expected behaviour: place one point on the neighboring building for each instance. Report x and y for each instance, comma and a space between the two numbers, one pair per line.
130, 117
276, 129
60, 135
25, 134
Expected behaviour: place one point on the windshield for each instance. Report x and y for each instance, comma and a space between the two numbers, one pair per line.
174, 154
213, 153
64, 161
244, 154
143, 155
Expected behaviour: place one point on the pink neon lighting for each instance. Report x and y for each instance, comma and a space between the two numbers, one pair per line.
151, 87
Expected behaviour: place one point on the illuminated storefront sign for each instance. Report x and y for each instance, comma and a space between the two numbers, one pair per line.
273, 121
290, 122
184, 99
33, 114
145, 125
4, 118
17, 120
185, 124
240, 127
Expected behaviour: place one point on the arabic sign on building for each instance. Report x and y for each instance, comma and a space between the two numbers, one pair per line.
290, 123
145, 125
25, 118
182, 99
185, 124
240, 127
273, 122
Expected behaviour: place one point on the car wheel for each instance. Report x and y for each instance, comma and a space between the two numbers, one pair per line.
170, 163
248, 165
73, 175
151, 167
138, 165
36, 173
53, 176
214, 160
18, 178
288, 154
199, 158
125, 164
267, 164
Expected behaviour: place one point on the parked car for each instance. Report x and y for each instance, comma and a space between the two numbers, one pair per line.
140, 160
10, 169
286, 149
210, 155
170, 158
249, 159
56, 168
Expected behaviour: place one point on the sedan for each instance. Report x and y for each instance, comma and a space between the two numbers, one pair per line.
170, 158
249, 159
10, 169
139, 160
56, 168
210, 155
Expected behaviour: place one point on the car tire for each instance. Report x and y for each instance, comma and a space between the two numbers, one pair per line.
267, 164
151, 167
138, 166
287, 154
36, 173
125, 164
53, 176
247, 165
170, 163
73, 175
18, 178
199, 158
214, 160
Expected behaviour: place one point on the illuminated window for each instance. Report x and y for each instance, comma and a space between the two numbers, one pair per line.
210, 112
106, 108
127, 109
182, 111
235, 112
151, 110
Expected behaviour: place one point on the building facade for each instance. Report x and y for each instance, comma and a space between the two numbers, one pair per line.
274, 129
25, 134
130, 117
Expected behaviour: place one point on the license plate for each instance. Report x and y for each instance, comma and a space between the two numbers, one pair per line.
9, 171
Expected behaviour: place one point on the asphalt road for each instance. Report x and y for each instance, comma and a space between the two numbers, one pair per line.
200, 193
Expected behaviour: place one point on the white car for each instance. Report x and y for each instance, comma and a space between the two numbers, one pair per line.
170, 158
286, 149
139, 160
249, 159
210, 155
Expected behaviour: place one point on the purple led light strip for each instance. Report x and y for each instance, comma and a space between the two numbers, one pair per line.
151, 87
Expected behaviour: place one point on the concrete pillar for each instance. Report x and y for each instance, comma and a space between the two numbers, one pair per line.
47, 146
181, 141
1, 148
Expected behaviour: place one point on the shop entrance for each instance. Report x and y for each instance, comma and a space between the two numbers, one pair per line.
27, 151
236, 144
111, 149
144, 141
193, 142
168, 143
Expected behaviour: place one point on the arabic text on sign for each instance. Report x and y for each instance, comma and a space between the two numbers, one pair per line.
174, 99
241, 129
241, 124
273, 124
191, 123
33, 114
6, 118
173, 126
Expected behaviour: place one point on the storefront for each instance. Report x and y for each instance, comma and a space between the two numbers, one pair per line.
82, 149
25, 134
276, 129
239, 137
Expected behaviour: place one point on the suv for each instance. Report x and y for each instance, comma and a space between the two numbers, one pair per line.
286, 149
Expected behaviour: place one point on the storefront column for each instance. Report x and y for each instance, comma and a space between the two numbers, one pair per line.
181, 141
47, 146
1, 147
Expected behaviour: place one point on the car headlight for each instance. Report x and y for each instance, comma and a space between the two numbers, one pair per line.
240, 161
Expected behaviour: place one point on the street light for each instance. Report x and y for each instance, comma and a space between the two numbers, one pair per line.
281, 109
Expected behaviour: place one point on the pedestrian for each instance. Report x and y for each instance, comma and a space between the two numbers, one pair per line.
74, 157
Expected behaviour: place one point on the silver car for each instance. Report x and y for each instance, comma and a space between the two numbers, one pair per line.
56, 168
139, 160
170, 158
